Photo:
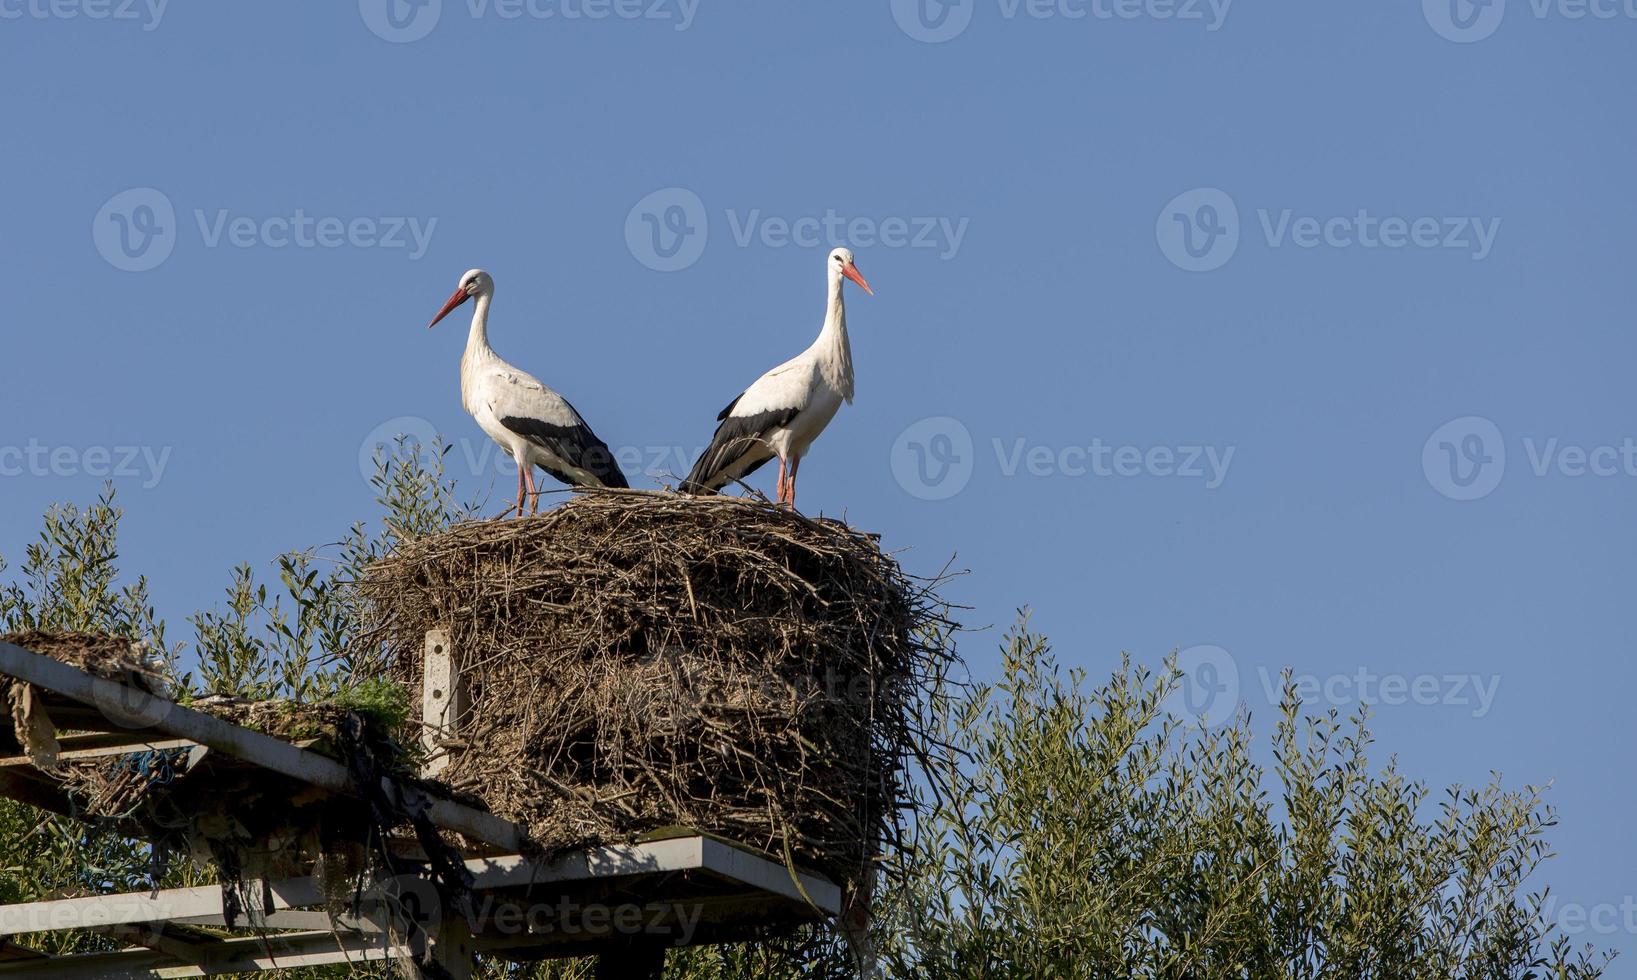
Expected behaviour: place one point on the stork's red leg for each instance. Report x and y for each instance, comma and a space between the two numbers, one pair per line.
781, 479
519, 491
795, 464
534, 492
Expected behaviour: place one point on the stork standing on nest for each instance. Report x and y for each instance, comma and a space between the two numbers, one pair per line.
786, 408
534, 424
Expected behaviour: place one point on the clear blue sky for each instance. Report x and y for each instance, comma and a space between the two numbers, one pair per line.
1311, 237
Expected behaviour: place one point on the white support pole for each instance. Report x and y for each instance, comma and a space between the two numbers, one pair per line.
442, 700
452, 947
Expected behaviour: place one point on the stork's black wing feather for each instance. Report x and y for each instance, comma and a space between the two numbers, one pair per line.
736, 437
575, 445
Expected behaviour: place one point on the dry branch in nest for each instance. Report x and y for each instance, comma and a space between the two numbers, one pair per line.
639, 660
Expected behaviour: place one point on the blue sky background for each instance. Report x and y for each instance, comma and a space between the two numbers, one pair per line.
1072, 151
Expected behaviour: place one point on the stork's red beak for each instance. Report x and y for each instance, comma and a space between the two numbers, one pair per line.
851, 272
460, 297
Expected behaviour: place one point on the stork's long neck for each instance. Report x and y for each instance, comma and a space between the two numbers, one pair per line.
478, 352
834, 351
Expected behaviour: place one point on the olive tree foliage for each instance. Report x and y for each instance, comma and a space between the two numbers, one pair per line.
1073, 830
285, 639
1085, 833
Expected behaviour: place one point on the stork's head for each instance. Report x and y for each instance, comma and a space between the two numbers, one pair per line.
841, 264
476, 282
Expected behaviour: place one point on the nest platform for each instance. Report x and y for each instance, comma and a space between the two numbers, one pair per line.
95, 701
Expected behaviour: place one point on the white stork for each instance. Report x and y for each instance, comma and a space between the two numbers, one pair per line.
786, 408
534, 424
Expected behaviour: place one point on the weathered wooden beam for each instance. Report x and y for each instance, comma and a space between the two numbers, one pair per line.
103, 911
160, 715
250, 954
287, 919
182, 950
97, 745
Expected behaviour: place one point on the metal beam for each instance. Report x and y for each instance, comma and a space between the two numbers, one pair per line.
204, 902
249, 954
819, 893
158, 714
287, 919
102, 911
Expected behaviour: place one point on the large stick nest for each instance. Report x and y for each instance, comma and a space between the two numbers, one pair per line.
639, 660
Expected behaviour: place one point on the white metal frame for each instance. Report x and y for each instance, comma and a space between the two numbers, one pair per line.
290, 933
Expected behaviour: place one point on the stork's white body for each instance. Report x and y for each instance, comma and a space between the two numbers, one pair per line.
491, 390
784, 410
534, 425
